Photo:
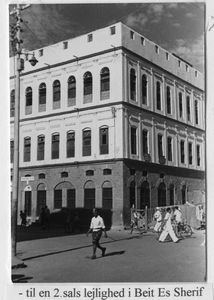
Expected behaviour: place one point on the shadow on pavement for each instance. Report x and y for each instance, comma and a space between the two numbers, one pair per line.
115, 253
20, 278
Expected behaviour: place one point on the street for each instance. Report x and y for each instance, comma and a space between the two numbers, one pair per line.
129, 258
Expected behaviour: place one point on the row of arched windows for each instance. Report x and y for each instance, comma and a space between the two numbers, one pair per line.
144, 194
69, 190
71, 92
70, 144
158, 97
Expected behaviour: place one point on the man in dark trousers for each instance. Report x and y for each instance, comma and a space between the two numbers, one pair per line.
97, 227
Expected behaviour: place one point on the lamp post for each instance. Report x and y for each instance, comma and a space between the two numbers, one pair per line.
15, 187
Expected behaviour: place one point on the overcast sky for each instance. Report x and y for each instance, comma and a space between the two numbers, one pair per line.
177, 27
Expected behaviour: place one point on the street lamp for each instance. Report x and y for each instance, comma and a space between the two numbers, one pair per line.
15, 189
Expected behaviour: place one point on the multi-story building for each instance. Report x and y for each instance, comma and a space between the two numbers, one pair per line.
110, 119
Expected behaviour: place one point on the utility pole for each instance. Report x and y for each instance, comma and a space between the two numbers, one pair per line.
15, 190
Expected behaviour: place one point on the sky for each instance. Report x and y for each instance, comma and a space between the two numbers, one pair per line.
177, 27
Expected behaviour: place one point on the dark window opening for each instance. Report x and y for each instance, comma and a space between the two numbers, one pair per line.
169, 149
86, 142
182, 152
27, 149
158, 95
64, 174
107, 172
57, 199
144, 89
12, 103
168, 99
89, 173
41, 147
133, 140
104, 141
70, 144
133, 84
56, 91
55, 146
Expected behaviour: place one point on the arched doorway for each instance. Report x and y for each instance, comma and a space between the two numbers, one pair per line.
64, 190
132, 195
162, 194
107, 201
144, 195
89, 195
41, 198
183, 194
171, 194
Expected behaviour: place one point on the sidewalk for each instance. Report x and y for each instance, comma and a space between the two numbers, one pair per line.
41, 247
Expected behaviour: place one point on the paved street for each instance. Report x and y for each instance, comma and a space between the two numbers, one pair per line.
129, 258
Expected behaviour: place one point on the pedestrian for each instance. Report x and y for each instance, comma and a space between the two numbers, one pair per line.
97, 226
167, 228
23, 217
177, 215
158, 218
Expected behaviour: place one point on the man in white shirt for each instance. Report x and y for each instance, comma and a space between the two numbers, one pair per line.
97, 226
178, 220
168, 229
158, 218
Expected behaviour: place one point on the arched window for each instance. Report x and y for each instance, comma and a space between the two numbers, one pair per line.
12, 103
56, 94
107, 195
168, 100
27, 148
29, 99
86, 142
144, 195
133, 84
158, 95
55, 146
70, 144
41, 147
87, 85
89, 195
42, 97
41, 198
71, 91
180, 98
144, 89
104, 140
162, 194
104, 83
64, 174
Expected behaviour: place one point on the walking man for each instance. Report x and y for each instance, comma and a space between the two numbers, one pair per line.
97, 227
178, 219
168, 229
158, 219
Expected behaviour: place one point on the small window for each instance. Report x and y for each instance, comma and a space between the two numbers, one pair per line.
112, 30
65, 45
89, 173
41, 176
107, 172
196, 73
90, 37
156, 49
161, 175
179, 63
132, 35
64, 174
142, 40
41, 52
167, 56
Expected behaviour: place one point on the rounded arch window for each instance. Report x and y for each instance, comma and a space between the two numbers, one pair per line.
42, 93
56, 90
87, 78
28, 96
107, 195
105, 80
71, 87
89, 195
41, 187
